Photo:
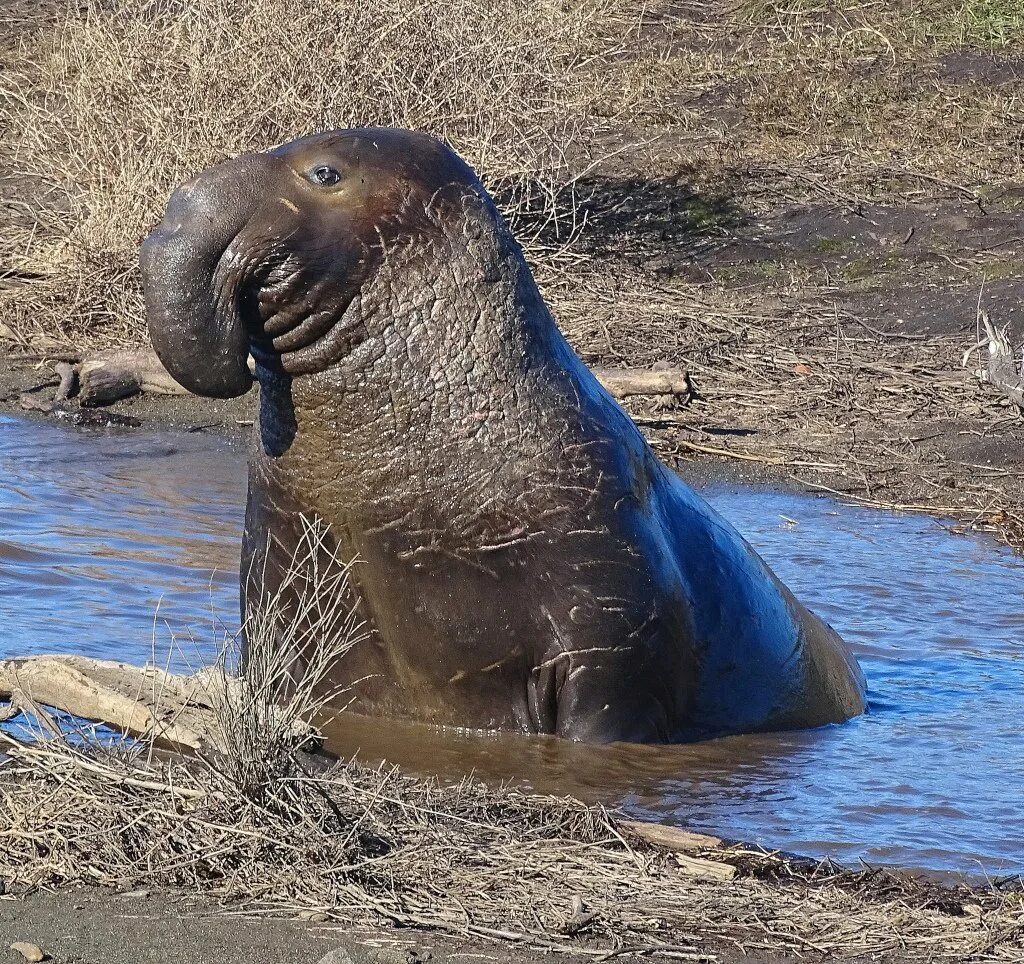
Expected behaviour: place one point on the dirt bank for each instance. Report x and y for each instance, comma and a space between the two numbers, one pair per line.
93, 926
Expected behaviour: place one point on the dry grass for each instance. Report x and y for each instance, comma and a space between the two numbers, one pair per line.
267, 828
359, 845
843, 100
265, 697
120, 102
765, 101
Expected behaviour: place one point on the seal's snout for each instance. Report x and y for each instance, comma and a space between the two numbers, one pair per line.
217, 202
195, 329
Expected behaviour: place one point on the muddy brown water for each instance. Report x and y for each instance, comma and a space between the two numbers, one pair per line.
110, 542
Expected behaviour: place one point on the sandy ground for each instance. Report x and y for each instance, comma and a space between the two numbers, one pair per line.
98, 927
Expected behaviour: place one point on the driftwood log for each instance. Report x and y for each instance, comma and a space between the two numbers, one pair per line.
182, 714
683, 844
111, 376
114, 375
623, 382
175, 712
68, 381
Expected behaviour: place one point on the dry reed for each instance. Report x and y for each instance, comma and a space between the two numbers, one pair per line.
119, 102
372, 845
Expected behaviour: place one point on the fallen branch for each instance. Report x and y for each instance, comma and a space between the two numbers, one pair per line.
111, 376
183, 714
623, 382
173, 712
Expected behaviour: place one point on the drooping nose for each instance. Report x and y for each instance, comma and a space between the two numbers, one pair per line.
194, 327
212, 208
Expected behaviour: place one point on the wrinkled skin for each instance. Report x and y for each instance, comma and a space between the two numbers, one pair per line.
526, 562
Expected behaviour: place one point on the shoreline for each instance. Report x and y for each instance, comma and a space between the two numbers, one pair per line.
233, 418
673, 435
464, 871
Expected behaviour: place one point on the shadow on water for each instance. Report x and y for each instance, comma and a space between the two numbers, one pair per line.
98, 529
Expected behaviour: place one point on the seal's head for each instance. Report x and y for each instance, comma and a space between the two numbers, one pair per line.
265, 253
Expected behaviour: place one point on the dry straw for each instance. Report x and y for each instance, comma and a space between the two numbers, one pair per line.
120, 102
266, 827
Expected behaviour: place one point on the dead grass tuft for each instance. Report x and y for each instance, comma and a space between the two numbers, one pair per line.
371, 845
120, 102
265, 699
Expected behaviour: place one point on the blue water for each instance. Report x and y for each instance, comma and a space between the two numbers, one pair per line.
125, 545
112, 540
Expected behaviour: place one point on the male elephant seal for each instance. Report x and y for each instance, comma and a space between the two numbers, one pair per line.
525, 561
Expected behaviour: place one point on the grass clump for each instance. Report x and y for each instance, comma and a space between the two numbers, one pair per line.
121, 101
845, 101
991, 23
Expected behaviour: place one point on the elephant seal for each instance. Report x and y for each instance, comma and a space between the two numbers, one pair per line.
525, 561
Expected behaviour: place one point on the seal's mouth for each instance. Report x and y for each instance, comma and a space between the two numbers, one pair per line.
300, 315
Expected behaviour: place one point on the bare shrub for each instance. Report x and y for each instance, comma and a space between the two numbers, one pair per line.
124, 100
263, 713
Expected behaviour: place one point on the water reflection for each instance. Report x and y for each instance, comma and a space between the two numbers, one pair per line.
99, 528
96, 529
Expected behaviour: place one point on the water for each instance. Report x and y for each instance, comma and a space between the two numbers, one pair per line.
111, 540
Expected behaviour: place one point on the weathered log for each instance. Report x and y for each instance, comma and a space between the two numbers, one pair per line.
1002, 365
623, 382
682, 844
671, 838
174, 712
184, 714
111, 376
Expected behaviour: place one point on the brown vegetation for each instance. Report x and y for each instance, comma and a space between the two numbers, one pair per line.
251, 820
116, 103
355, 844
806, 205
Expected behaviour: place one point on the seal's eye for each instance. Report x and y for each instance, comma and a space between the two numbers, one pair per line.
325, 175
